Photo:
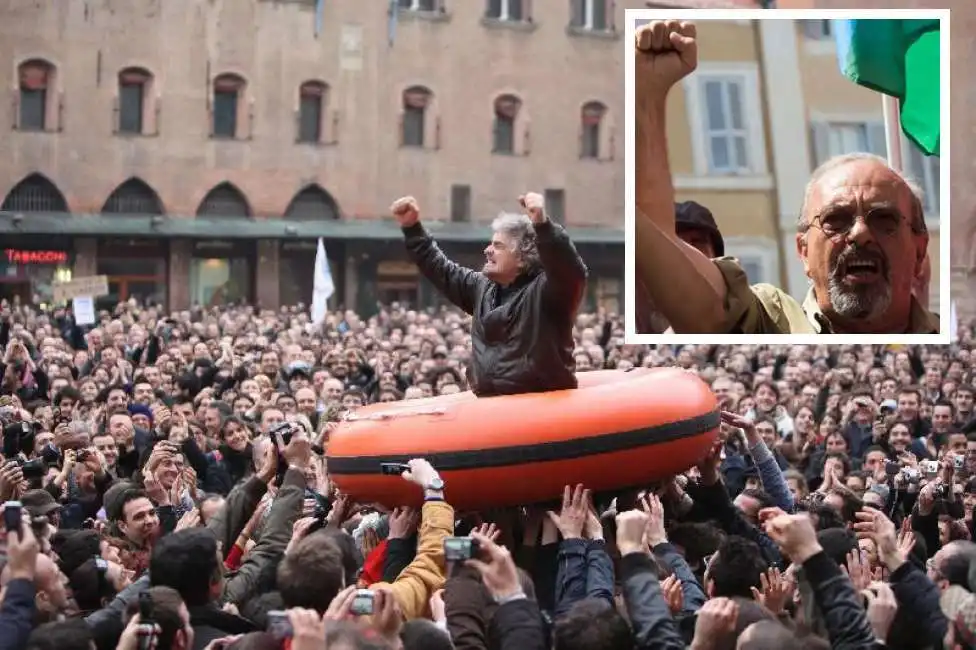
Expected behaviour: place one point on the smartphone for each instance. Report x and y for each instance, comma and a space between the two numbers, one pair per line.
362, 603
393, 469
146, 609
13, 512
459, 549
279, 625
146, 621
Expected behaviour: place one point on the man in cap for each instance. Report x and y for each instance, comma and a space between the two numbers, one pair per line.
861, 236
695, 226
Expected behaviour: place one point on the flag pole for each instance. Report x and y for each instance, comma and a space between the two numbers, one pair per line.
892, 125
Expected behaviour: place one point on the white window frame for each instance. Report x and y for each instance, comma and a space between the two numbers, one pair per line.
761, 251
415, 6
932, 191
753, 113
870, 121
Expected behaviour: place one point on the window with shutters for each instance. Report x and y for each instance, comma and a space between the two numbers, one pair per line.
591, 127
725, 126
838, 137
35, 92
34, 193
311, 111
133, 90
133, 196
591, 15
507, 10
460, 203
924, 170
555, 202
416, 101
228, 100
224, 200
506, 114
725, 113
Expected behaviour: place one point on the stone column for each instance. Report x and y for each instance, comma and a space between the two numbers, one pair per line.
178, 270
267, 289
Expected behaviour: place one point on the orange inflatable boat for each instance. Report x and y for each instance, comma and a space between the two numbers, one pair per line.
619, 429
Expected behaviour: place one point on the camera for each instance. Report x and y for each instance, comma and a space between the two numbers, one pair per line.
12, 515
362, 603
958, 462
929, 467
146, 618
459, 549
287, 430
393, 469
279, 625
18, 438
32, 469
51, 455
939, 492
910, 474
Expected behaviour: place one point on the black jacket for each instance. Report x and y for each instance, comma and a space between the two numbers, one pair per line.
522, 335
843, 615
654, 628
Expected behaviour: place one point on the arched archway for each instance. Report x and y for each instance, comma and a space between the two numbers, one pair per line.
133, 196
312, 203
224, 200
34, 193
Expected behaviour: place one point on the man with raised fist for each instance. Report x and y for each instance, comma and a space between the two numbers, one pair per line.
861, 235
523, 301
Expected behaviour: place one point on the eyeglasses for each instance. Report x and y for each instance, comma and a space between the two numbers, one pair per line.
838, 222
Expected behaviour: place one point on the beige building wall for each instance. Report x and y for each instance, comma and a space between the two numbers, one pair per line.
464, 60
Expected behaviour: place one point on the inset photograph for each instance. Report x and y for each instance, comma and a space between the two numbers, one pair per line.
784, 176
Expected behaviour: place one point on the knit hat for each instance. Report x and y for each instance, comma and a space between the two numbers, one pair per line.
959, 606
141, 409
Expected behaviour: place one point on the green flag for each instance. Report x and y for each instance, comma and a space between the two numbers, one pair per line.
899, 58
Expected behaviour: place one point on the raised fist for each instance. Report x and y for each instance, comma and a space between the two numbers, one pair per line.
664, 53
406, 211
534, 206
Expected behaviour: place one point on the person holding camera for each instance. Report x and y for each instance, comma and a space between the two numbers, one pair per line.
415, 585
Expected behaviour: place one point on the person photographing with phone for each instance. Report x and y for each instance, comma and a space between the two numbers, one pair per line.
415, 585
523, 301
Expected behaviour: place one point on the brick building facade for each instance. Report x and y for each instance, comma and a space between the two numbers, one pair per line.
193, 150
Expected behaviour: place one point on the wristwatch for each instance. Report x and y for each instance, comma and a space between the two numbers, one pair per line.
434, 490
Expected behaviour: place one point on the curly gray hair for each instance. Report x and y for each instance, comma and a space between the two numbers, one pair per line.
520, 230
917, 217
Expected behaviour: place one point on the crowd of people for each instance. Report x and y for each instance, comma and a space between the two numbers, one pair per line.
164, 487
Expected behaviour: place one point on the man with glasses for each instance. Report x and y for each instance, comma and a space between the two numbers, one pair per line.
861, 235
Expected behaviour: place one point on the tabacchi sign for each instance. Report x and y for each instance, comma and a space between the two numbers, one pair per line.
17, 256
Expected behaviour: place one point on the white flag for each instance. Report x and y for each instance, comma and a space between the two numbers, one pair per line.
323, 287
953, 323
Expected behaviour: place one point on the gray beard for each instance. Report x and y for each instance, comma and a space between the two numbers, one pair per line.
861, 302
